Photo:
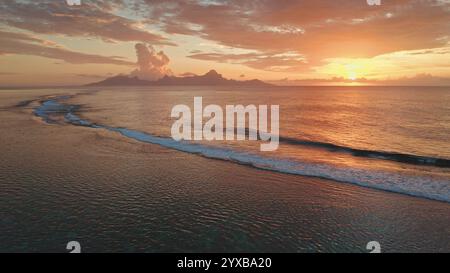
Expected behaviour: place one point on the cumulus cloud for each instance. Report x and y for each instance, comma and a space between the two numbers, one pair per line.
152, 65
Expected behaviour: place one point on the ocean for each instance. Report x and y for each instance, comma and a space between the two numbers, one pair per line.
354, 164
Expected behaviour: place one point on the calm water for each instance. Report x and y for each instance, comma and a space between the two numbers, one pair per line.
394, 139
102, 181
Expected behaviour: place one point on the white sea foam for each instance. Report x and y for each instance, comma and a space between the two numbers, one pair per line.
420, 186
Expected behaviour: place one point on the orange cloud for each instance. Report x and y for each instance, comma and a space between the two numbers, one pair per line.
20, 43
311, 39
264, 61
317, 29
92, 19
152, 65
417, 80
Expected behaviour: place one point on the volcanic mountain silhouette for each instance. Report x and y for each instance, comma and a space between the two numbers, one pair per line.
210, 78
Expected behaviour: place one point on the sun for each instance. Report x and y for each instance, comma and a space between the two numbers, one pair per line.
352, 76
351, 69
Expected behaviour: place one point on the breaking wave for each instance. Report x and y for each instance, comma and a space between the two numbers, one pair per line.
51, 111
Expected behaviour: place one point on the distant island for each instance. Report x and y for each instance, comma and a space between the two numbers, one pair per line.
210, 78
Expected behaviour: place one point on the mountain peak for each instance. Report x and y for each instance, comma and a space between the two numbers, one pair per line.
213, 74
210, 78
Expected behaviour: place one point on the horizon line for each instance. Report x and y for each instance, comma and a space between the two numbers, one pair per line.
18, 87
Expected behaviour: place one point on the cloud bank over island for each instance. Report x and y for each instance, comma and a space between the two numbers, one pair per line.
152, 65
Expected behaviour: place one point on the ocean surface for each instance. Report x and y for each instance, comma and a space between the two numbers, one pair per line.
395, 139
388, 141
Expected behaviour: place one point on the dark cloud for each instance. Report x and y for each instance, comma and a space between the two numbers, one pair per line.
21, 43
91, 19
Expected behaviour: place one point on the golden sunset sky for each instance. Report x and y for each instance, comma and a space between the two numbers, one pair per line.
287, 42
